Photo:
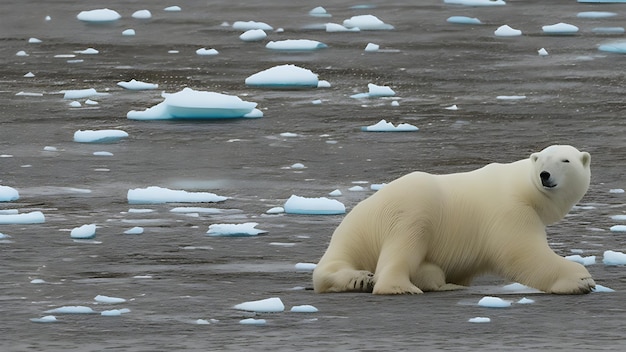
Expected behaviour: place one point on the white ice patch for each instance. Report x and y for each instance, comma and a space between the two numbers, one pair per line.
596, 14
618, 228
375, 91
80, 93
172, 9
493, 302
507, 31
305, 267
319, 12
99, 16
137, 230
525, 301
313, 206
590, 260
384, 126
84, 232
463, 20
244, 26
142, 14
35, 217
476, 2
336, 27
275, 210
159, 195
137, 85
560, 29
613, 258
284, 76
108, 299
479, 320
366, 23
71, 310
234, 230
253, 35
128, 32
268, 305
602, 289
114, 312
8, 194
99, 136
252, 321
295, 45
614, 47
45, 319
305, 308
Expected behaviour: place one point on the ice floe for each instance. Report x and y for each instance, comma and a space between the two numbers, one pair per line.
596, 14
142, 14
21, 53
338, 28
128, 32
252, 321
525, 301
137, 230
244, 26
463, 20
384, 126
234, 230
34, 217
99, 136
88, 51
253, 35
114, 312
137, 85
366, 23
590, 260
479, 320
109, 299
207, 52
602, 289
614, 258
268, 305
493, 302
193, 104
560, 29
45, 319
614, 47
371, 47
313, 206
319, 12
71, 310
284, 76
375, 91
99, 16
618, 228
159, 195
84, 232
507, 31
295, 45
476, 2
305, 266
275, 210
173, 9
80, 93
305, 308
542, 52
616, 190
34, 40
8, 194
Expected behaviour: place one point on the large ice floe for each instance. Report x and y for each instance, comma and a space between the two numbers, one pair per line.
284, 76
99, 16
194, 104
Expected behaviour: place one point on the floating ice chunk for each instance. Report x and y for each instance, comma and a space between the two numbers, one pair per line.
244, 26
202, 322
542, 52
316, 101
284, 76
525, 301
305, 308
323, 84
519, 288
137, 230
206, 52
511, 97
507, 31
48, 18
192, 104
8, 194
34, 217
560, 28
158, 195
377, 186
305, 266
296, 45
319, 12
613, 258
114, 312
298, 166
596, 14
36, 281
102, 153
479, 320
268, 305
608, 30
252, 321
476, 2
88, 51
99, 136
614, 217
45, 319
384, 126
29, 75
90, 102
463, 20
590, 260
253, 35
335, 193
356, 189
615, 47
21, 53
71, 310
335, 28
234, 230
275, 210
203, 210
493, 302
137, 85
142, 14
313, 206
366, 23
34, 40
128, 32
84, 232
600, 288
380, 91
602, 1
371, 47
616, 190
75, 104
99, 16
80, 93
172, 9
108, 299
618, 228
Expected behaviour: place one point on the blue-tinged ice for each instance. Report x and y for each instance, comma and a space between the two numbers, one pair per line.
34, 217
252, 321
71, 310
479, 320
601, 289
366, 23
84, 232
596, 14
137, 85
613, 258
159, 195
384, 126
284, 76
305, 308
268, 305
560, 29
253, 35
99, 136
463, 20
244, 26
337, 28
374, 92
109, 299
142, 14
608, 30
137, 230
615, 47
305, 266
319, 12
99, 16
476, 2
114, 312
313, 206
193, 104
618, 228
8, 194
525, 301
296, 45
590, 260
206, 52
234, 230
507, 31
493, 302
620, 217
45, 319
80, 93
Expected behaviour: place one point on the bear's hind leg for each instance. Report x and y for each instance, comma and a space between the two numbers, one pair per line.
343, 279
430, 277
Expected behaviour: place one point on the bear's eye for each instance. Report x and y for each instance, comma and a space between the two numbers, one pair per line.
565, 161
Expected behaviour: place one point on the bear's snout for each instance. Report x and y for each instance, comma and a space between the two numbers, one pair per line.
545, 179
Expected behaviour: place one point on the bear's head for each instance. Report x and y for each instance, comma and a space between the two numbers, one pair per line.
562, 173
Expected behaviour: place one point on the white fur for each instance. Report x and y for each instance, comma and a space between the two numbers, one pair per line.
425, 232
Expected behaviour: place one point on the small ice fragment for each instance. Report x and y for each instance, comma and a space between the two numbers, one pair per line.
114, 312
335, 193
316, 101
619, 217
159, 195
511, 97
234, 230
614, 47
142, 14
252, 321
99, 136
356, 189
560, 28
618, 228
45, 319
395, 103
275, 210
21, 53
479, 320
384, 126
244, 26
600, 288
79, 93
366, 23
476, 2
372, 47
305, 266
34, 40
323, 84
99, 16
128, 32
613, 258
319, 12
335, 27
380, 91
582, 260
253, 35
295, 45
137, 230
37, 281
88, 51
34, 217
108, 299
616, 190
202, 322
283, 76
542, 52
452, 107
305, 308
206, 52
48, 18
84, 232
596, 14
137, 85
297, 166
377, 186
71, 310
507, 31
172, 9
289, 134
314, 206
29, 75
608, 30
75, 104
463, 20
493, 302
91, 102
526, 301
8, 194
268, 305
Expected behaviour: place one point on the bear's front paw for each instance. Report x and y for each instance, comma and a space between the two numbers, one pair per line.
573, 286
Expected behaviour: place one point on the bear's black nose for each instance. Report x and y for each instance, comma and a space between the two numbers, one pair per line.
545, 176
545, 180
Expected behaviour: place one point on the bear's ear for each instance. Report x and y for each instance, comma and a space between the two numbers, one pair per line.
534, 157
585, 158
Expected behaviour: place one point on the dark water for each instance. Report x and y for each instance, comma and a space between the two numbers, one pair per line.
574, 96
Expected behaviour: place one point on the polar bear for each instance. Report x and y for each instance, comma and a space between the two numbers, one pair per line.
425, 232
